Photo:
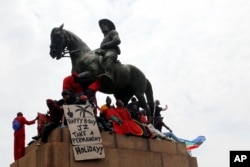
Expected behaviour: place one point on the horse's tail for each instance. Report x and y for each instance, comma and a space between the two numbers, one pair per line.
150, 96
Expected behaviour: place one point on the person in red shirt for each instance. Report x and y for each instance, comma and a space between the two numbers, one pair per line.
55, 113
19, 136
69, 84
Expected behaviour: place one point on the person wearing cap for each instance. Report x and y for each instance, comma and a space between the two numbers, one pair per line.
110, 46
19, 135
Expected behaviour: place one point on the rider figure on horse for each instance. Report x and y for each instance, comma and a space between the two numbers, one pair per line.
110, 47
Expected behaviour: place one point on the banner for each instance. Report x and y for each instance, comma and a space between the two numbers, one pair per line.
85, 135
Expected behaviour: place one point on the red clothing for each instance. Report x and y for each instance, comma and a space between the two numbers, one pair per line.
19, 137
42, 120
128, 125
143, 119
55, 111
95, 86
72, 86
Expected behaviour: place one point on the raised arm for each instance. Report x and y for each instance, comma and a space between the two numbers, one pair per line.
166, 107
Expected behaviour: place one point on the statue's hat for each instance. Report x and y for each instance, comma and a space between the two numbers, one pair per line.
107, 21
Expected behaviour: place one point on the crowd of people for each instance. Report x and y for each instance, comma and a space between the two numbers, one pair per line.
127, 119
121, 119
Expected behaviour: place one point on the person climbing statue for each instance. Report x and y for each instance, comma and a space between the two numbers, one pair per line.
110, 47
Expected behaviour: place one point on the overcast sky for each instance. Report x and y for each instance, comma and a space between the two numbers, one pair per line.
195, 53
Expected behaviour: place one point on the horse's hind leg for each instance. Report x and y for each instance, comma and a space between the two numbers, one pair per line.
124, 95
142, 103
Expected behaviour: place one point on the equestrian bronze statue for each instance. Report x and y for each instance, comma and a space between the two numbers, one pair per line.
128, 80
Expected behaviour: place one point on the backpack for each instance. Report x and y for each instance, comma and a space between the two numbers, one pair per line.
16, 125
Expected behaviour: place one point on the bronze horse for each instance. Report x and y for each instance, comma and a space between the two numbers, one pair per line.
128, 80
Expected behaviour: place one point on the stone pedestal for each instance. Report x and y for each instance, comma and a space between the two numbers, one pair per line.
120, 151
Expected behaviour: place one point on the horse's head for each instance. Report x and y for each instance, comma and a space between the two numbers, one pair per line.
58, 42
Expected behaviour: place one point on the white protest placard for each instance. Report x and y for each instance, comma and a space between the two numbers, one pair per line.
94, 151
85, 135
